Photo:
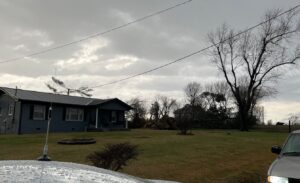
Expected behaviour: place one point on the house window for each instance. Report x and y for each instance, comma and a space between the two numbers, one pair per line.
10, 110
113, 116
0, 111
73, 114
39, 112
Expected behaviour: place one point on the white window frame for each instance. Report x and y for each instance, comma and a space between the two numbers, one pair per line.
115, 116
40, 109
76, 111
10, 110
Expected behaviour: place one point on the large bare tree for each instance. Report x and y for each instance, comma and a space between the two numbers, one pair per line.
250, 61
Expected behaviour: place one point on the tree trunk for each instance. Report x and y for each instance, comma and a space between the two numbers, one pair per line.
244, 118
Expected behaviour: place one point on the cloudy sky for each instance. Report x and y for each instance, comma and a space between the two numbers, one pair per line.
33, 25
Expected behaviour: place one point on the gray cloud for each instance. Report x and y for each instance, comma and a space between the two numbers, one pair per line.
32, 25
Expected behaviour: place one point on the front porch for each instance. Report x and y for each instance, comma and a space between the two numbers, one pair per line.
106, 120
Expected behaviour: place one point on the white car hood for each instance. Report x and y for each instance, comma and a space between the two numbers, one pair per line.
286, 166
61, 172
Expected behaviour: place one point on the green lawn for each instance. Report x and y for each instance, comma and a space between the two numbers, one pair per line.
206, 156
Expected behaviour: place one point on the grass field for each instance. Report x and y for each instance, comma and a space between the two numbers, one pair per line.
207, 156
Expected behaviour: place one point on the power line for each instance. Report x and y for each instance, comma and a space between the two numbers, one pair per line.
196, 52
94, 35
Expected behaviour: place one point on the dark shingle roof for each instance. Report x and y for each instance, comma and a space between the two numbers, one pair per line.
50, 97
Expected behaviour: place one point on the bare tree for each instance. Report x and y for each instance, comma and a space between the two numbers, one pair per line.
220, 88
83, 91
136, 116
193, 91
167, 105
293, 119
155, 111
213, 101
250, 61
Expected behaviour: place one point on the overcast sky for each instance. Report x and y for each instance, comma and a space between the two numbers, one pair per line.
32, 25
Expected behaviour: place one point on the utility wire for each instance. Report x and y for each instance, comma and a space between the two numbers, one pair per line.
196, 52
94, 35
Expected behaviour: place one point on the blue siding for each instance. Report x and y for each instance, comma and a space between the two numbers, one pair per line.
58, 124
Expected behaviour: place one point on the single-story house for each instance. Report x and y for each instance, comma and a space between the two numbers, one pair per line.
24, 111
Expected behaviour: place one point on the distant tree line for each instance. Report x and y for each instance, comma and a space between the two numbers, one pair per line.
157, 116
210, 106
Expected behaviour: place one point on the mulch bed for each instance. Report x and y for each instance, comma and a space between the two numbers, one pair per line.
79, 141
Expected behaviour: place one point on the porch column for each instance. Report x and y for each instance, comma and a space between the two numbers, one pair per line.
97, 117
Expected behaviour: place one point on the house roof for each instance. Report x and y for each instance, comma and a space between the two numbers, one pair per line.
55, 98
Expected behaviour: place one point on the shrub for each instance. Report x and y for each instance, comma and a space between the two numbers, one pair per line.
137, 122
114, 156
183, 118
184, 126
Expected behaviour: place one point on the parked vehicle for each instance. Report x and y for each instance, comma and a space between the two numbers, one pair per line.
286, 168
